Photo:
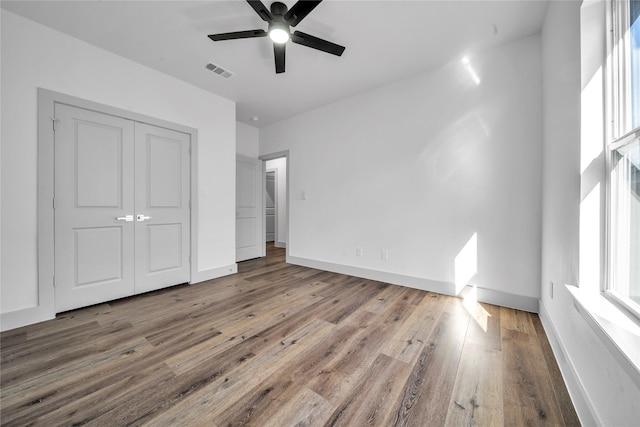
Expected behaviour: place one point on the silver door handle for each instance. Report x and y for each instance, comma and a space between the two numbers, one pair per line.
142, 217
126, 218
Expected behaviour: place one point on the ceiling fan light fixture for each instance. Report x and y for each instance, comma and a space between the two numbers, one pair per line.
278, 32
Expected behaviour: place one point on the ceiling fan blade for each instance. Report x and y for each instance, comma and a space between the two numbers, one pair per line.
237, 35
314, 42
299, 10
261, 10
279, 54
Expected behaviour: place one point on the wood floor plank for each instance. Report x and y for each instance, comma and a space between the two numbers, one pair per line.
205, 405
476, 399
569, 415
410, 339
372, 401
528, 394
425, 398
485, 325
283, 345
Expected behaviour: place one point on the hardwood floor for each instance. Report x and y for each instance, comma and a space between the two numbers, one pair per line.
282, 345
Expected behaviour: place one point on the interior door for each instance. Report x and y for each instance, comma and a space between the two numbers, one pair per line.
162, 186
270, 206
249, 192
122, 215
94, 207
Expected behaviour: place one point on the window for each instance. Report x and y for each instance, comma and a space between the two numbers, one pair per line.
624, 156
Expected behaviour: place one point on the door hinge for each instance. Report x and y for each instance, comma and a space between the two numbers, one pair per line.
54, 203
53, 121
54, 281
189, 150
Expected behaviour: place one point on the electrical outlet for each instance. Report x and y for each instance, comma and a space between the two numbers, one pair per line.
359, 251
551, 289
384, 255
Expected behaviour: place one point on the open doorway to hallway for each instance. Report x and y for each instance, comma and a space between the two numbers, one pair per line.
276, 199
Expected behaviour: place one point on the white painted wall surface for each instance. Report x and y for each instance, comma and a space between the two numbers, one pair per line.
280, 165
35, 56
247, 140
573, 165
418, 167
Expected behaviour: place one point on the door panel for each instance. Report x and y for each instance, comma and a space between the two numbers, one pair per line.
164, 247
249, 189
99, 151
93, 249
99, 255
162, 199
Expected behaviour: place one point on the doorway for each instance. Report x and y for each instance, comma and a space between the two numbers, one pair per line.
270, 205
276, 175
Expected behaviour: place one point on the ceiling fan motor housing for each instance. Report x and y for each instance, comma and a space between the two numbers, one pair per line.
278, 9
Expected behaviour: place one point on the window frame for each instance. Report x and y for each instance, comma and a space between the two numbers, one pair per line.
618, 108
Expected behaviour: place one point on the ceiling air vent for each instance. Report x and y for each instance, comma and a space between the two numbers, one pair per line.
219, 70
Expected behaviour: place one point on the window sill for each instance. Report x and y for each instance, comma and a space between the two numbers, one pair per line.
618, 331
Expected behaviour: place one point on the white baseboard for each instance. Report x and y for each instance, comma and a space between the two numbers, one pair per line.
575, 387
214, 273
279, 244
488, 296
24, 317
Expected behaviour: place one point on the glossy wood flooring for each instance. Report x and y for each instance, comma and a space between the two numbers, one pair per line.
282, 345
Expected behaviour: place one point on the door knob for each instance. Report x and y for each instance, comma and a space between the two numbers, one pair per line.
142, 217
126, 218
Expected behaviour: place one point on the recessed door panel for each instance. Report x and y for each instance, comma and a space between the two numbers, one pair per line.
246, 182
98, 253
98, 164
246, 233
164, 172
94, 164
165, 247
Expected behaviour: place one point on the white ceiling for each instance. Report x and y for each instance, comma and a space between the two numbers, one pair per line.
385, 41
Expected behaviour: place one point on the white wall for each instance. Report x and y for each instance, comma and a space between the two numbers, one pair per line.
420, 166
280, 166
247, 140
35, 56
573, 206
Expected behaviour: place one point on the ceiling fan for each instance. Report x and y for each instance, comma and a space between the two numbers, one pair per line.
280, 20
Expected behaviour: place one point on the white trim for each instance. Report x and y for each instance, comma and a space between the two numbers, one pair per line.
617, 331
26, 316
279, 244
214, 273
577, 391
488, 296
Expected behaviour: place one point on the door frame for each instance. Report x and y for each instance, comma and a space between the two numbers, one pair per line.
45, 309
287, 156
275, 204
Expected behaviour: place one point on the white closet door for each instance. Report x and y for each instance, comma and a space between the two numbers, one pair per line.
94, 200
162, 190
122, 216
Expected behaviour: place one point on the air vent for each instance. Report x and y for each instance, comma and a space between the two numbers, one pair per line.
219, 70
